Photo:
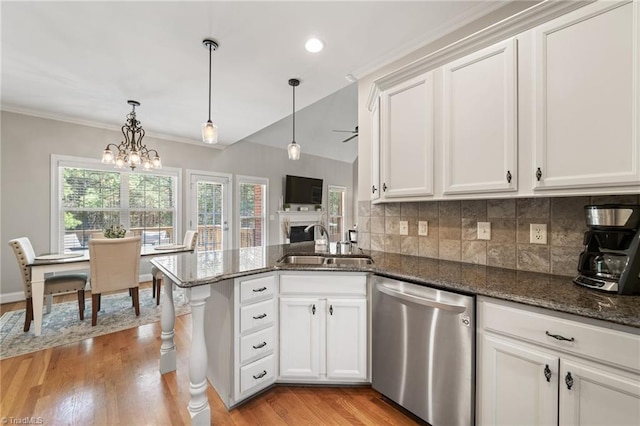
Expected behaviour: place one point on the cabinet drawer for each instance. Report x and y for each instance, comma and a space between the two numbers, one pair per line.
252, 290
334, 284
598, 343
256, 344
255, 316
257, 373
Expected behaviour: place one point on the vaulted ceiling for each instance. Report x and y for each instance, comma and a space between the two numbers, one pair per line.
82, 61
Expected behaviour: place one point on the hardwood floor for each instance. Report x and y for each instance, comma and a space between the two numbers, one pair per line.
114, 379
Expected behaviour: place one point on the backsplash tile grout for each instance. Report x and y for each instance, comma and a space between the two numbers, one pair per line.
452, 231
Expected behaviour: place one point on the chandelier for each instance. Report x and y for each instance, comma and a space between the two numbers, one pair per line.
131, 151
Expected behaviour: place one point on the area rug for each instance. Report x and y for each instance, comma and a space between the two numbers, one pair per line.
63, 326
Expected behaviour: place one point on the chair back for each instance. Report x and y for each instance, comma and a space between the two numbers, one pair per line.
25, 255
114, 263
190, 240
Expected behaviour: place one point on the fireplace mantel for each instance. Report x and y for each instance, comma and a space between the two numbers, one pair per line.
298, 218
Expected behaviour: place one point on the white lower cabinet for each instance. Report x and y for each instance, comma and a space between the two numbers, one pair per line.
531, 372
323, 328
241, 336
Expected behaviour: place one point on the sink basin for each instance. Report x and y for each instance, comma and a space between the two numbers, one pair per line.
348, 261
326, 260
302, 260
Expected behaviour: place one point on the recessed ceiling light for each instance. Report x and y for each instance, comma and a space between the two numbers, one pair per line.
314, 45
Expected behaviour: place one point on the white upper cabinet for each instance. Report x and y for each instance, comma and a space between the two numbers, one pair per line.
406, 130
479, 121
587, 102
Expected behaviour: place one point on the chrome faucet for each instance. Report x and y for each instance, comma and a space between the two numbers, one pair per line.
319, 225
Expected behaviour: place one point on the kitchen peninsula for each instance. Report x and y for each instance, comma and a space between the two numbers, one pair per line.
200, 272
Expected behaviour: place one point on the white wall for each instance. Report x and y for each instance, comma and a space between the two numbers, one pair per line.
27, 144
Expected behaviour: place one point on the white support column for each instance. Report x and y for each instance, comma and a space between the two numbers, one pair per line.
198, 404
167, 321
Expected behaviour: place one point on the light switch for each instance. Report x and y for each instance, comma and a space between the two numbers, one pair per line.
404, 227
423, 228
484, 230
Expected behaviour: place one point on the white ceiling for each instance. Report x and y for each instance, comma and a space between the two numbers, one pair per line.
81, 62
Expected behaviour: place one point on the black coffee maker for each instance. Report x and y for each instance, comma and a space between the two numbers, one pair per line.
611, 258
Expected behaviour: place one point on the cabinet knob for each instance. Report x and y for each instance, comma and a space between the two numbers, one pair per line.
373, 189
547, 373
508, 176
259, 345
260, 316
384, 187
313, 309
538, 174
568, 380
330, 309
258, 290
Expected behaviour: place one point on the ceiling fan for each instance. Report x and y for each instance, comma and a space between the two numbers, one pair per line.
355, 134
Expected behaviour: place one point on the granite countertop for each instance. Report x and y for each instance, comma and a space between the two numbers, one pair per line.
552, 292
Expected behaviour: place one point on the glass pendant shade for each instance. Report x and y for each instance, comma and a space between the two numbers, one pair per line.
107, 157
209, 132
294, 151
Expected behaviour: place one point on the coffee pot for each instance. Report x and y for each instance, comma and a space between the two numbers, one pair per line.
611, 257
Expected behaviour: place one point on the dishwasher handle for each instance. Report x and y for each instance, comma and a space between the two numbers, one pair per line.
457, 309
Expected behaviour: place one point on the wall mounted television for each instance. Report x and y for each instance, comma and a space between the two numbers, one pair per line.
302, 190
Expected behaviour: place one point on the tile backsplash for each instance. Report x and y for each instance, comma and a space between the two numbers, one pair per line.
452, 230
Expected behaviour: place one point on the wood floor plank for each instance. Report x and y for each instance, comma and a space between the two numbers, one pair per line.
114, 379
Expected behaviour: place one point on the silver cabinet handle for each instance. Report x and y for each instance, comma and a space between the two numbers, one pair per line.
258, 290
260, 345
260, 316
559, 337
260, 375
457, 309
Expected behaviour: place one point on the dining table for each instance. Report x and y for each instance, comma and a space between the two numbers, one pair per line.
75, 260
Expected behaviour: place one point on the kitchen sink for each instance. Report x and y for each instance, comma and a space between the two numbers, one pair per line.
326, 260
302, 260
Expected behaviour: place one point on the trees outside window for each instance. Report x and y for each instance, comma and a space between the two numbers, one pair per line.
252, 208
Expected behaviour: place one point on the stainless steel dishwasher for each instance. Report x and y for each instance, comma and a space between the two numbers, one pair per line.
424, 350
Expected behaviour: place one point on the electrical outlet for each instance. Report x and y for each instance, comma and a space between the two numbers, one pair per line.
484, 230
423, 228
404, 227
538, 233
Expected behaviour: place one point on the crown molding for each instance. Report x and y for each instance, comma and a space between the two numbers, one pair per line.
509, 27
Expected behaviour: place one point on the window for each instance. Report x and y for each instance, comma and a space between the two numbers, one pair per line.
252, 209
91, 197
336, 212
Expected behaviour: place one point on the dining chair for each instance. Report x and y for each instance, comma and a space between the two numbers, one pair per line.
61, 283
114, 264
190, 241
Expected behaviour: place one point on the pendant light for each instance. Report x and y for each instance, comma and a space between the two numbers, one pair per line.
210, 130
294, 148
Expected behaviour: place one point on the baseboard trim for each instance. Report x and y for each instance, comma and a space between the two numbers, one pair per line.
16, 296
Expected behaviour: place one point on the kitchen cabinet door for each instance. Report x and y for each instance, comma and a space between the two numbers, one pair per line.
518, 385
479, 121
587, 98
375, 151
346, 339
406, 137
593, 395
301, 337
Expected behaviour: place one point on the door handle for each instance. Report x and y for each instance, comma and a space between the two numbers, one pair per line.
559, 337
547, 373
260, 375
260, 316
258, 290
259, 345
457, 309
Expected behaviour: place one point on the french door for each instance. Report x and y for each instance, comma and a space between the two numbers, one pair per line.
209, 209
